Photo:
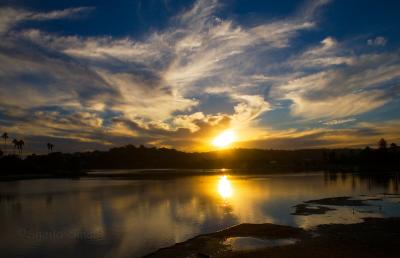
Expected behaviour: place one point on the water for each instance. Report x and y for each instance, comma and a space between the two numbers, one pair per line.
129, 218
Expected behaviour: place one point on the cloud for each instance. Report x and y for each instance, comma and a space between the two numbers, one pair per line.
9, 16
338, 121
164, 73
353, 88
187, 132
143, 97
336, 107
50, 82
249, 108
59, 14
328, 53
105, 90
361, 135
377, 42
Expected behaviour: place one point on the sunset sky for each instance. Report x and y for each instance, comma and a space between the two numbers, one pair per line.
280, 74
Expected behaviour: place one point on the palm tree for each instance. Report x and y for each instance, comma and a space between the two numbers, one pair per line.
15, 142
50, 147
18, 144
21, 144
5, 137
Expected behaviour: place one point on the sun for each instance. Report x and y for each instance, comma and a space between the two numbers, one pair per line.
224, 139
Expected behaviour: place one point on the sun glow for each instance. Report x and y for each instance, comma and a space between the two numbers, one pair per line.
224, 139
224, 187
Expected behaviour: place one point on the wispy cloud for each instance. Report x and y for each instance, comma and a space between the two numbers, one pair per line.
361, 135
103, 89
378, 41
9, 16
339, 121
328, 53
177, 63
352, 88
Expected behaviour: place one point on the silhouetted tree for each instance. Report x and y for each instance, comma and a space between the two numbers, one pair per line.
129, 156
50, 147
5, 137
18, 144
15, 142
382, 144
21, 144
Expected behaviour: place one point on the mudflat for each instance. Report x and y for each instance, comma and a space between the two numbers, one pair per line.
374, 237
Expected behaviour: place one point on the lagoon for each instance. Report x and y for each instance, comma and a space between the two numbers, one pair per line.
125, 217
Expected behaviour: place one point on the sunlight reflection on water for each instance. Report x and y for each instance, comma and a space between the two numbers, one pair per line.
224, 187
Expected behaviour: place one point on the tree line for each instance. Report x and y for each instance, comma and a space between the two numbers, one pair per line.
18, 145
383, 157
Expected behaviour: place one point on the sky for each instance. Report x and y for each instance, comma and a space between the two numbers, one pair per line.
88, 75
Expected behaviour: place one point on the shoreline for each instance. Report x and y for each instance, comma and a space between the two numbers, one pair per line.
374, 237
172, 173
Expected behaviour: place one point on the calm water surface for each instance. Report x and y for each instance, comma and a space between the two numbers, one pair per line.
129, 218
